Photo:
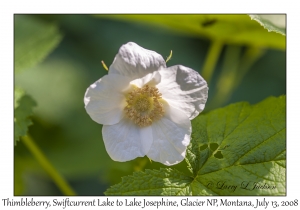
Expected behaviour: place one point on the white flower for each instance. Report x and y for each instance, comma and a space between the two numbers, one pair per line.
145, 107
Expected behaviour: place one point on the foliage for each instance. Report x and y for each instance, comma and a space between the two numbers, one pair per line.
231, 29
274, 23
22, 110
33, 40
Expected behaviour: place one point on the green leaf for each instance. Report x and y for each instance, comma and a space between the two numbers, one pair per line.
33, 41
236, 150
274, 23
22, 110
251, 140
231, 29
167, 181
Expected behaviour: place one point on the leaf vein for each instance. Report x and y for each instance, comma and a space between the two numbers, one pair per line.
258, 145
240, 165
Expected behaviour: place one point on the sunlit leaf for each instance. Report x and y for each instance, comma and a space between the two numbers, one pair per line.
274, 23
167, 181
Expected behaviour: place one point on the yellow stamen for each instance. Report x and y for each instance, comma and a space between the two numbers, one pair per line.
144, 105
104, 65
169, 57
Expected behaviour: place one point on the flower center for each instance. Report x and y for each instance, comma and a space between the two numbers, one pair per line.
144, 105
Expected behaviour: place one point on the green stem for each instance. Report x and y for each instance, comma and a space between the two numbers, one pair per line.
211, 59
57, 178
226, 80
233, 71
251, 55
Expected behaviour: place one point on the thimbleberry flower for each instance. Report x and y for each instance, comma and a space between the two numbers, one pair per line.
145, 107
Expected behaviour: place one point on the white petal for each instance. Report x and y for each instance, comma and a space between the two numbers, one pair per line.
171, 136
151, 79
125, 141
135, 62
105, 101
184, 89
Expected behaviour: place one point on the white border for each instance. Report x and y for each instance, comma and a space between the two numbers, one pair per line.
8, 8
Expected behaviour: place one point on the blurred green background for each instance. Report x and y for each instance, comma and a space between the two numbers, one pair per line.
250, 65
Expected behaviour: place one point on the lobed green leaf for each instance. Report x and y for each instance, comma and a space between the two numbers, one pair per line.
166, 181
22, 110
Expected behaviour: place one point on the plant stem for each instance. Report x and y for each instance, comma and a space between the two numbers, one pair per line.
234, 69
53, 173
226, 80
251, 55
211, 59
